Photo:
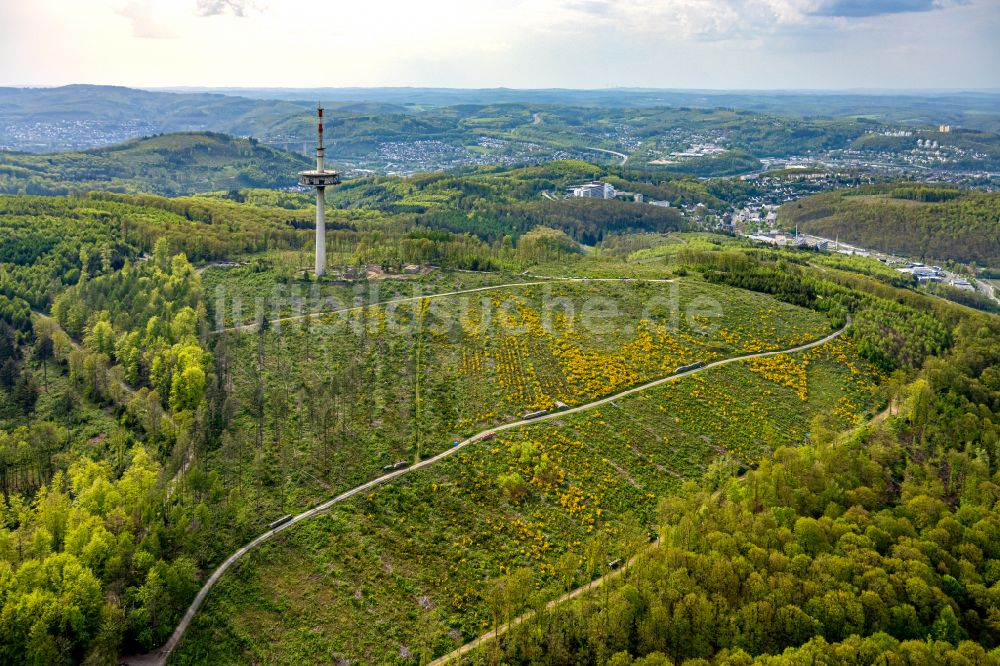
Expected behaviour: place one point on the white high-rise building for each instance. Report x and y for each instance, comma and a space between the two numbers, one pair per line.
597, 189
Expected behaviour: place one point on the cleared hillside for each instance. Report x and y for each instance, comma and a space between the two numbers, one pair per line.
916, 221
168, 164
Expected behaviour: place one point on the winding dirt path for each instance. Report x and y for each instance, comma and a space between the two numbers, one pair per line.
543, 279
160, 656
524, 617
573, 594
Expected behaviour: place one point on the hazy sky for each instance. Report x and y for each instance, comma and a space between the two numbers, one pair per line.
513, 43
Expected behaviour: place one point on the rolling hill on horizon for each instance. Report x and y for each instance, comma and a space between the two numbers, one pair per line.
419, 130
168, 164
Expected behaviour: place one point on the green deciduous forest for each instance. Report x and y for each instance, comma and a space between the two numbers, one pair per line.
88, 558
930, 223
167, 164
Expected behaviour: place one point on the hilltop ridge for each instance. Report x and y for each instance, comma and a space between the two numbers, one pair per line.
168, 164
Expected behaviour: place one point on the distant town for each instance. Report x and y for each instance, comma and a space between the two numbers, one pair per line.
758, 221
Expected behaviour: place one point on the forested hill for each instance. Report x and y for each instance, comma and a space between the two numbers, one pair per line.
168, 164
913, 220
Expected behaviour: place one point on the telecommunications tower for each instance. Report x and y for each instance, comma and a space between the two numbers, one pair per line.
320, 179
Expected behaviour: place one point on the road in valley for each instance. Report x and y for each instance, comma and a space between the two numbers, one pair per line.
980, 285
622, 156
987, 289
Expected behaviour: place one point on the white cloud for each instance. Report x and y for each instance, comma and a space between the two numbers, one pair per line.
682, 19
239, 8
147, 23
718, 19
514, 43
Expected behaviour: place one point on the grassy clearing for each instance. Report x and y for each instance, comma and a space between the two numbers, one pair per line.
417, 567
267, 286
323, 405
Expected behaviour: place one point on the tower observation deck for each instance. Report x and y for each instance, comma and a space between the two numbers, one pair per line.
320, 178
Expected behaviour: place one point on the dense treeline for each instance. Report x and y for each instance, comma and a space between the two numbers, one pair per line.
45, 243
894, 328
493, 203
145, 319
50, 242
15, 312
872, 548
586, 221
204, 228
424, 246
590, 221
82, 565
923, 222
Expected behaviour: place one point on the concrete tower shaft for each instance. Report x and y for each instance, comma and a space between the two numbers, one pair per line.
321, 178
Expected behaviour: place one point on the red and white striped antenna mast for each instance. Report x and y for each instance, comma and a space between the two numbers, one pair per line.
319, 144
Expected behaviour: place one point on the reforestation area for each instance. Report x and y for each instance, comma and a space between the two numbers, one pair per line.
637, 399
424, 564
379, 385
